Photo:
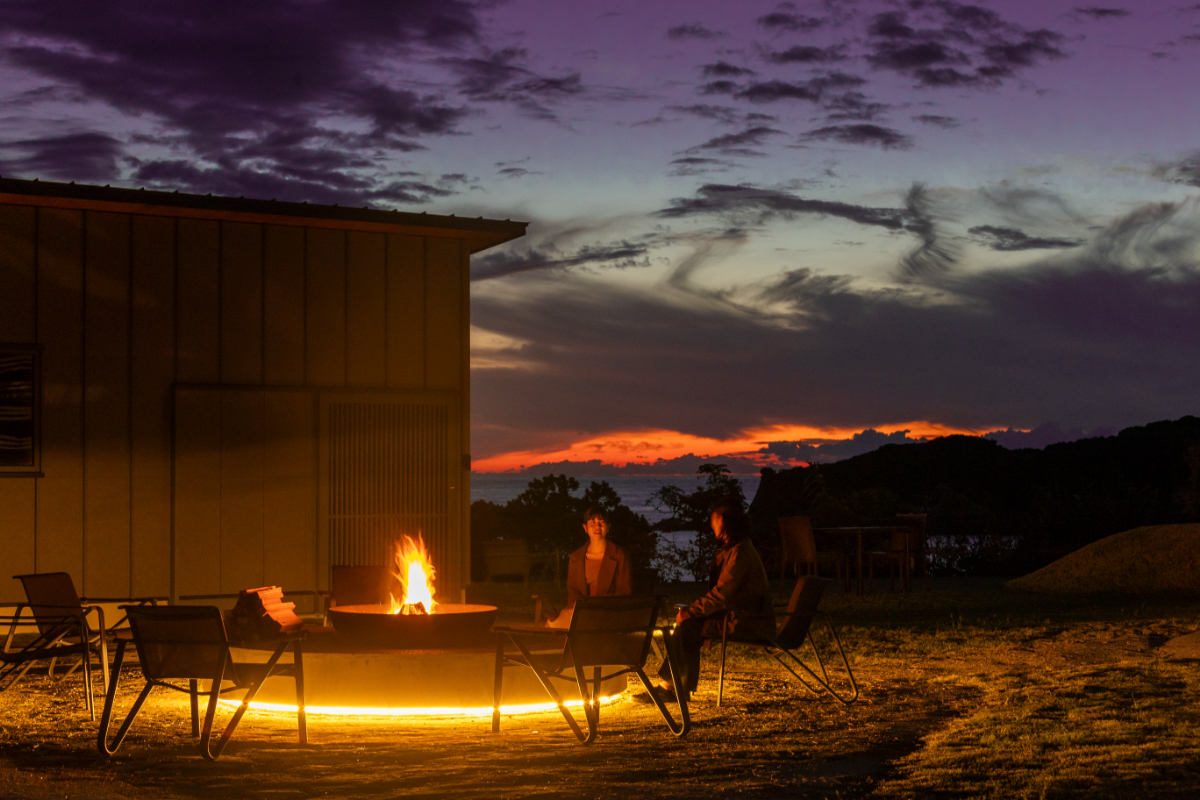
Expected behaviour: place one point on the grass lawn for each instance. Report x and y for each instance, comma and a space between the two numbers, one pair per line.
967, 691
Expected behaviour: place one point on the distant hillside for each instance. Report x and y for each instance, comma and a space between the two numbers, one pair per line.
1160, 559
1055, 500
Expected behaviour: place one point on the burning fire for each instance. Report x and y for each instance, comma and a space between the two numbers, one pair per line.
416, 575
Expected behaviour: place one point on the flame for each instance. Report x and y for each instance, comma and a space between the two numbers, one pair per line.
416, 575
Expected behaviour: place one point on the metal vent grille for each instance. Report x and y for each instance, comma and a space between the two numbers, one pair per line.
388, 476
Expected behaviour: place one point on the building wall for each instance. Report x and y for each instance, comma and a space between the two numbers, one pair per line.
184, 363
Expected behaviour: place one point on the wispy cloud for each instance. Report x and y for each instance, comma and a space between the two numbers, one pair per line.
938, 121
1098, 13
85, 156
862, 134
1011, 239
788, 21
694, 31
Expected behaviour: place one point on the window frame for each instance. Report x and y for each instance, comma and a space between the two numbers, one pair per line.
33, 470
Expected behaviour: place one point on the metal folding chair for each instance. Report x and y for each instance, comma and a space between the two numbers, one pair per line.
794, 630
62, 632
190, 642
604, 632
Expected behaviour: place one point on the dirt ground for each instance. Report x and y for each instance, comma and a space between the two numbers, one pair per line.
950, 679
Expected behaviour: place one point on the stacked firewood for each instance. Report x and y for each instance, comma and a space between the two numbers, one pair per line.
261, 613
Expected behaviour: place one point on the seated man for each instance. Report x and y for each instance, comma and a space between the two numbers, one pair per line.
739, 585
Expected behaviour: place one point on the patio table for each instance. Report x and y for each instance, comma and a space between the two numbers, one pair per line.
857, 532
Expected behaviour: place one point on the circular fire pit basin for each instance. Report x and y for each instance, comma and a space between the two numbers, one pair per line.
451, 626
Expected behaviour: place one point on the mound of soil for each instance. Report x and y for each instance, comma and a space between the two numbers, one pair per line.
1154, 560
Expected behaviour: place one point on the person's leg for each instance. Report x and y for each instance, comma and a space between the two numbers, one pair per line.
686, 640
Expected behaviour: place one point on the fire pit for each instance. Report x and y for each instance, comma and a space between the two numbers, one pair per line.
452, 626
412, 656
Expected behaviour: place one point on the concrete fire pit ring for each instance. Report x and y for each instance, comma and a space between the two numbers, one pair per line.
451, 627
342, 677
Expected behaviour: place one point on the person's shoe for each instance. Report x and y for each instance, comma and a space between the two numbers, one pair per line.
664, 695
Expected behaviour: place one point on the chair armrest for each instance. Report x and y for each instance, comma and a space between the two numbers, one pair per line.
99, 618
141, 601
530, 630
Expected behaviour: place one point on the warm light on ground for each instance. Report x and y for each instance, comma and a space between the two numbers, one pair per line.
645, 447
357, 711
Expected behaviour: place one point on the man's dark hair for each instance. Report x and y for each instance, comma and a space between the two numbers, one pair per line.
737, 523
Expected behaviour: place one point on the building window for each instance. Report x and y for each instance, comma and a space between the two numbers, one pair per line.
20, 410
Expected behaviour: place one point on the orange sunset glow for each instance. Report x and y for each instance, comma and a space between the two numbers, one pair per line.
621, 448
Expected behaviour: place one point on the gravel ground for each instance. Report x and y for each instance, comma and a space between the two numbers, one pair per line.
938, 672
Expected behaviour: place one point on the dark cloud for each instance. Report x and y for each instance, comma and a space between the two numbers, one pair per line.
827, 451
502, 77
250, 92
742, 143
517, 172
863, 133
409, 192
1011, 239
1090, 338
697, 165
1102, 13
692, 32
723, 69
1186, 170
723, 114
719, 87
681, 465
812, 90
938, 121
854, 106
935, 255
774, 91
1044, 435
807, 54
88, 156
500, 263
784, 21
757, 206
951, 45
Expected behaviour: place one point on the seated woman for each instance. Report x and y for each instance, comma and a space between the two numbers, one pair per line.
598, 569
739, 587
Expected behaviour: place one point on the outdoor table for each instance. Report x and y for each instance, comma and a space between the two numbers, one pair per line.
857, 533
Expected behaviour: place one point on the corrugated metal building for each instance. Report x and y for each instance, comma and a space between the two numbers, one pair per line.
205, 394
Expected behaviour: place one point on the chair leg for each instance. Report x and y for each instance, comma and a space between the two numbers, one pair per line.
555, 696
596, 693
214, 697
104, 659
498, 686
194, 691
87, 682
109, 699
682, 727
246, 701
721, 675
591, 712
298, 674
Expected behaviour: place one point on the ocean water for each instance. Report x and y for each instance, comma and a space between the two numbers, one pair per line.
634, 490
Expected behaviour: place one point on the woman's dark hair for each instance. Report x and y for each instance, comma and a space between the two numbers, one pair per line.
737, 523
595, 512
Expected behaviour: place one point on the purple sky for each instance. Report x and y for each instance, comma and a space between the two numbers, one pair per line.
842, 215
